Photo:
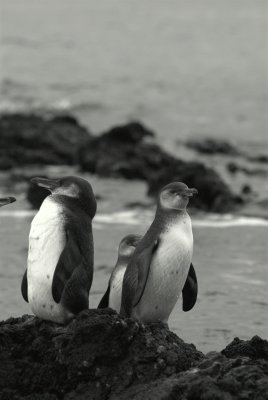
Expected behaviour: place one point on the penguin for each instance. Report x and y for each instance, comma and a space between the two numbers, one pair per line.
161, 267
59, 272
6, 200
112, 296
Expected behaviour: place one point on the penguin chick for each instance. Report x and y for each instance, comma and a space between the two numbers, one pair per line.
59, 273
113, 294
161, 267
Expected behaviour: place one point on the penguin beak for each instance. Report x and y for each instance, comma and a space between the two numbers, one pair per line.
6, 200
189, 192
50, 184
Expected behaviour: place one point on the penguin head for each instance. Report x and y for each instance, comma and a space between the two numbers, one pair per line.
128, 245
175, 196
71, 187
6, 200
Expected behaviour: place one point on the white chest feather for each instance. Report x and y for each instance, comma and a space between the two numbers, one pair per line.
168, 272
116, 288
46, 242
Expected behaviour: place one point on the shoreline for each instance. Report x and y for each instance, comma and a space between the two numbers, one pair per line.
130, 218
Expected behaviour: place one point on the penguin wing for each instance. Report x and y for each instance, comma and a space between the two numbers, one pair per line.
24, 286
70, 264
104, 303
189, 291
76, 291
135, 278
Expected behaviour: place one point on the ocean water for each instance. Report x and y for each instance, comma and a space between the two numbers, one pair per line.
186, 68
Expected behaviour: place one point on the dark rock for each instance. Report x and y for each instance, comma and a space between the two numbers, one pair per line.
97, 355
133, 132
100, 355
139, 204
213, 193
33, 139
255, 348
246, 190
233, 168
212, 146
112, 154
262, 158
123, 152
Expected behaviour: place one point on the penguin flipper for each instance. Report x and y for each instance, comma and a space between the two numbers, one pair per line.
76, 291
189, 291
70, 259
104, 303
24, 287
135, 279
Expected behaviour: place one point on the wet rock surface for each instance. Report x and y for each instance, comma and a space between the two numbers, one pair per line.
33, 139
100, 355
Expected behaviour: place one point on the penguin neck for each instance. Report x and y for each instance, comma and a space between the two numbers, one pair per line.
122, 259
169, 216
73, 202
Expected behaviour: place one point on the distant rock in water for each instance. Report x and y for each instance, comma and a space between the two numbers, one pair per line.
234, 168
102, 356
124, 152
27, 139
262, 158
213, 193
212, 146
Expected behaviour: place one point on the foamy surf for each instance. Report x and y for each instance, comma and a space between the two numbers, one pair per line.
135, 217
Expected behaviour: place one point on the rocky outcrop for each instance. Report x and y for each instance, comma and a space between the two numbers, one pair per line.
123, 152
27, 139
212, 146
99, 355
126, 152
213, 193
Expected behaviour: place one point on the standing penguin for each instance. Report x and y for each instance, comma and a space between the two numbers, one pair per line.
6, 200
161, 267
59, 274
113, 294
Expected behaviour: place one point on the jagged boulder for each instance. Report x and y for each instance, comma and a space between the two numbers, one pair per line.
27, 139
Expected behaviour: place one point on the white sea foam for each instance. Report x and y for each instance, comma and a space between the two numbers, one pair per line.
134, 217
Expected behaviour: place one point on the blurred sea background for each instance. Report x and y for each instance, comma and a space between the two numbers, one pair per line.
187, 69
